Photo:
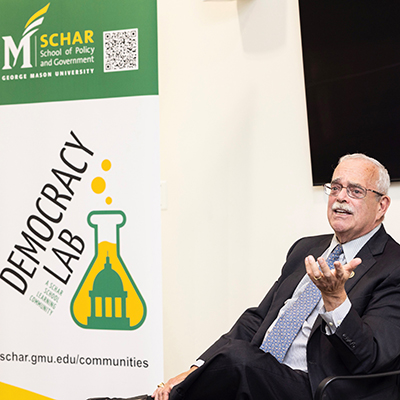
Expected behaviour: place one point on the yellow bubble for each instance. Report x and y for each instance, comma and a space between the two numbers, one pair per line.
108, 200
106, 165
98, 185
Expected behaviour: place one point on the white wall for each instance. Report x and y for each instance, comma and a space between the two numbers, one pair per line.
235, 155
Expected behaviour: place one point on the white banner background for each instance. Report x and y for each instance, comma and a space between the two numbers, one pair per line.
124, 131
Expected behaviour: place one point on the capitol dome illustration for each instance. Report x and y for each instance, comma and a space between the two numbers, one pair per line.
108, 300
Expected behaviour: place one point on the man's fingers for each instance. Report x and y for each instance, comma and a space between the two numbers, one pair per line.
348, 268
326, 271
354, 263
339, 269
161, 393
312, 267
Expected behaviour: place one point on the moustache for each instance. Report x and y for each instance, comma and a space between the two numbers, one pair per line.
342, 207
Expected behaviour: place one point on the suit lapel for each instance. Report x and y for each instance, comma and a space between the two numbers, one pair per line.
294, 279
287, 288
372, 248
368, 260
290, 283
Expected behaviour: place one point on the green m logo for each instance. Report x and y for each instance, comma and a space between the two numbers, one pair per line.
25, 43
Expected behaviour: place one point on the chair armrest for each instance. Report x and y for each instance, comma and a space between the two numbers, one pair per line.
327, 381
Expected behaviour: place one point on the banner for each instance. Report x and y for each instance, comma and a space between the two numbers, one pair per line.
80, 277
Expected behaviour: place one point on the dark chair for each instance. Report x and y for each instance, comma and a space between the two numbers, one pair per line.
327, 381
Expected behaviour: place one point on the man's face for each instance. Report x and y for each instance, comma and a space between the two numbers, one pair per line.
351, 218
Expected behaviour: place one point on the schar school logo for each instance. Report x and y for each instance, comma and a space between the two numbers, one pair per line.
107, 297
25, 43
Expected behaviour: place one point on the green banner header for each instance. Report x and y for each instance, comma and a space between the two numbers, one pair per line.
73, 50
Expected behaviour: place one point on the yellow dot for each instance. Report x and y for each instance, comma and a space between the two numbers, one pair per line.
98, 185
106, 165
108, 200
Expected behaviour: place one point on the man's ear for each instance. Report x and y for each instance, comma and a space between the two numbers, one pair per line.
384, 204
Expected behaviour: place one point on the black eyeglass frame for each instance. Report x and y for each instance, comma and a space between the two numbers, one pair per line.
328, 190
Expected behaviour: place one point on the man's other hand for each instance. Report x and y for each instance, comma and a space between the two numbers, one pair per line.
162, 392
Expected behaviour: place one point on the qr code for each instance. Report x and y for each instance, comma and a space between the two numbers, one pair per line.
120, 50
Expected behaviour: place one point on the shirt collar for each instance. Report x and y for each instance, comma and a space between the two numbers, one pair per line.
350, 249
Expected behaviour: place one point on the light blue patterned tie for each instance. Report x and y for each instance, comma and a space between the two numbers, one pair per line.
278, 341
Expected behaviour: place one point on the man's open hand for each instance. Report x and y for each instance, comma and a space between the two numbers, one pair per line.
330, 282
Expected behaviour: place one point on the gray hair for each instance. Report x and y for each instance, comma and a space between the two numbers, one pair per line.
383, 182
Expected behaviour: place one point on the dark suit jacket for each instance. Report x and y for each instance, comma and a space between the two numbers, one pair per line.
368, 339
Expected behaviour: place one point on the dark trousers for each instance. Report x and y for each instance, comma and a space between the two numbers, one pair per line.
241, 371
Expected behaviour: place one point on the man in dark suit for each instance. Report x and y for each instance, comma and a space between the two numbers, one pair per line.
355, 329
283, 348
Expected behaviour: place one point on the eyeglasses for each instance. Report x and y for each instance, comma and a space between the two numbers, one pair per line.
353, 191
